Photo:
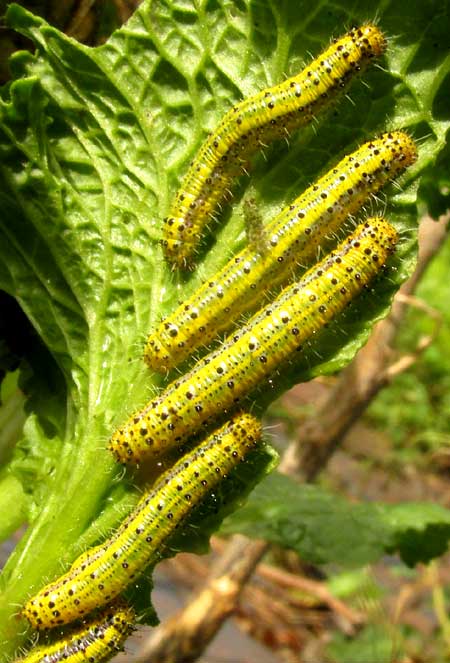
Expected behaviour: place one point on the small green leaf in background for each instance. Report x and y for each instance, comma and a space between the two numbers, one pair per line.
93, 143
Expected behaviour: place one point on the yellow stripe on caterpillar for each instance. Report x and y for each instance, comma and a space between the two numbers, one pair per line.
218, 382
268, 115
293, 239
103, 572
95, 641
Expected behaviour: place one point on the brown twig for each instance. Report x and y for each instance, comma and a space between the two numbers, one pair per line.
185, 636
293, 581
268, 617
278, 609
81, 21
313, 587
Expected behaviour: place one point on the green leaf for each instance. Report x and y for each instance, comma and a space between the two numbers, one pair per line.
421, 531
13, 505
93, 143
374, 643
320, 526
324, 528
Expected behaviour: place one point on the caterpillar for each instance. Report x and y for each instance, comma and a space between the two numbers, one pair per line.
270, 114
219, 381
103, 572
293, 239
96, 641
